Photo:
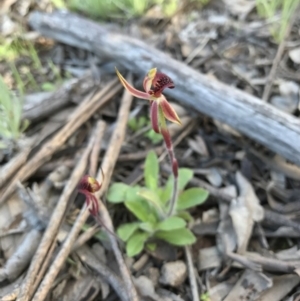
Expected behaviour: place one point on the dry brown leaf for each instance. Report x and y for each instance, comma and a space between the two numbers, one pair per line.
244, 211
282, 285
9, 213
240, 7
249, 286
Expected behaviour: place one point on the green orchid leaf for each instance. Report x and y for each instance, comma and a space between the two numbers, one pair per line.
126, 230
191, 198
136, 243
184, 176
171, 223
178, 237
139, 208
185, 215
152, 197
151, 171
147, 227
117, 192
151, 246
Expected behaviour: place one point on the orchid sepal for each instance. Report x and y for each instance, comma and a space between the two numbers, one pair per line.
133, 91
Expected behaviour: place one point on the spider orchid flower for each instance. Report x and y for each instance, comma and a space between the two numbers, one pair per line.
154, 84
88, 186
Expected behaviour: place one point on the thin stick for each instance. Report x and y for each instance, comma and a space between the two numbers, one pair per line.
53, 226
280, 50
80, 115
62, 255
100, 128
84, 237
109, 161
48, 280
105, 272
192, 276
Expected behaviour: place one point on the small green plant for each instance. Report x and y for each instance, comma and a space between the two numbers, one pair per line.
138, 123
126, 8
10, 116
269, 8
205, 297
151, 204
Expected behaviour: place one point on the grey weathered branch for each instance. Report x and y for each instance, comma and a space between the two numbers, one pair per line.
277, 130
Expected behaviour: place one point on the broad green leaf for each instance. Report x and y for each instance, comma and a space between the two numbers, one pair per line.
117, 192
171, 223
184, 176
126, 230
139, 208
136, 243
151, 246
132, 194
179, 237
191, 198
147, 227
151, 171
185, 215
152, 197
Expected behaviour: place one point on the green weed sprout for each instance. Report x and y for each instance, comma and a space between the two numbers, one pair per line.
138, 123
10, 116
269, 8
149, 204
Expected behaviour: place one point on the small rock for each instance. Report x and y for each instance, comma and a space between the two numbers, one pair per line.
153, 274
288, 88
286, 104
173, 273
145, 286
294, 55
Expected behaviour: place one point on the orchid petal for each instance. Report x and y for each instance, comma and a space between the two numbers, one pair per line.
94, 210
154, 116
168, 111
147, 83
130, 89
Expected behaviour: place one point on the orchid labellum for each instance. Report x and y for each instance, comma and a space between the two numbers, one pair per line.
154, 84
88, 186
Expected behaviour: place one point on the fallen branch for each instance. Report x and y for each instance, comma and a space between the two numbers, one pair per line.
260, 121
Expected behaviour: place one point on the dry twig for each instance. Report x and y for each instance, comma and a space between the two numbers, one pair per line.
53, 226
108, 164
192, 276
81, 115
67, 246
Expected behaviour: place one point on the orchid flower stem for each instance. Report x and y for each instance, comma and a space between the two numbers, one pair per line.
169, 146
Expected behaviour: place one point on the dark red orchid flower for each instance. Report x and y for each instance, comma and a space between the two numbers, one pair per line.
88, 186
154, 84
